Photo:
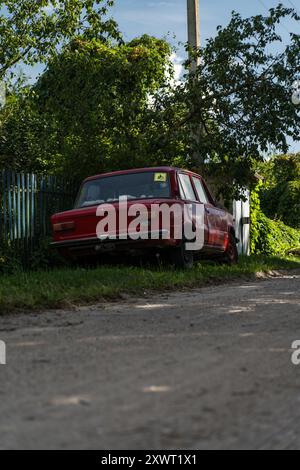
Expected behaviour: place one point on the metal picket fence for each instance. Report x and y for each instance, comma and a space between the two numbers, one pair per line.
27, 202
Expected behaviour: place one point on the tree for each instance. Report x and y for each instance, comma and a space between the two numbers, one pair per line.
91, 110
33, 30
105, 107
241, 96
280, 194
25, 135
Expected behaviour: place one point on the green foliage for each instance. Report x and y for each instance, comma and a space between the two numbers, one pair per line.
280, 195
90, 111
32, 31
103, 106
289, 204
64, 287
270, 237
279, 169
10, 260
13, 257
286, 167
25, 135
241, 96
44, 257
274, 237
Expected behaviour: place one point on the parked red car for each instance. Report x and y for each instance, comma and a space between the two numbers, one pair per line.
76, 232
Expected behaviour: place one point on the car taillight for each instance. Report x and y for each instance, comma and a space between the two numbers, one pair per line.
63, 226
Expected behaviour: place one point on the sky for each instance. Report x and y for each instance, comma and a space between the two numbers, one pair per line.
160, 17
167, 18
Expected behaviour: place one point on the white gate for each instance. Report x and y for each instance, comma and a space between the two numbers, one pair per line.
241, 213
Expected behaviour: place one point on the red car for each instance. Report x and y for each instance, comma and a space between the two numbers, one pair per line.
161, 210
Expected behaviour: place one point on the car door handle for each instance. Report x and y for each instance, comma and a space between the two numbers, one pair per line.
207, 210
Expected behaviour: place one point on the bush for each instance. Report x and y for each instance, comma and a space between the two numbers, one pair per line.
295, 252
14, 257
274, 237
270, 237
10, 258
44, 257
280, 196
289, 204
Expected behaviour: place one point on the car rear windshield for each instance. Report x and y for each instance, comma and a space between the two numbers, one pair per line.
148, 185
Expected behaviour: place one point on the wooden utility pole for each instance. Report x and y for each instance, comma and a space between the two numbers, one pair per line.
193, 18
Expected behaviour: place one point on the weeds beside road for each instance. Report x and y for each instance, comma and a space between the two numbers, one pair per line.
67, 287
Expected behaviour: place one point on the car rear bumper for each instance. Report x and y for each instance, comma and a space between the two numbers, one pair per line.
159, 238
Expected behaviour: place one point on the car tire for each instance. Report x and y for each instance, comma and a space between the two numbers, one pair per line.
181, 258
231, 255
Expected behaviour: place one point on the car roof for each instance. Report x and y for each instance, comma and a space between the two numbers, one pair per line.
166, 169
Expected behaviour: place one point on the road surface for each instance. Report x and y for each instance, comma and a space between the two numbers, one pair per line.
202, 369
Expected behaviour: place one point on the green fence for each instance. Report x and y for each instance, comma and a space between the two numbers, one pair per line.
27, 203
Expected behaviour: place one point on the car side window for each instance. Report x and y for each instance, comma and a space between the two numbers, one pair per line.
200, 190
186, 188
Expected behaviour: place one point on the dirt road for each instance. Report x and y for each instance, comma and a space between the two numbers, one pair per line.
203, 369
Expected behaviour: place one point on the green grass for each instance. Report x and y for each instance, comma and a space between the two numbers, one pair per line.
67, 287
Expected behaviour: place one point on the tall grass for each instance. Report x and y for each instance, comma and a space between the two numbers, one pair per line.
67, 287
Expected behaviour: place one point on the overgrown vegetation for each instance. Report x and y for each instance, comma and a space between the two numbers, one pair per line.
15, 258
104, 104
275, 207
280, 194
270, 237
34, 31
70, 287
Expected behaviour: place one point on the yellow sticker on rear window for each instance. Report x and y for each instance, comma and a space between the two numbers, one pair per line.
160, 177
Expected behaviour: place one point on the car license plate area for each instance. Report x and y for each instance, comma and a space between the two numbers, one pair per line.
105, 247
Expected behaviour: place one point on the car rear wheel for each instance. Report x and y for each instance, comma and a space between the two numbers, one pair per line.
181, 258
231, 255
